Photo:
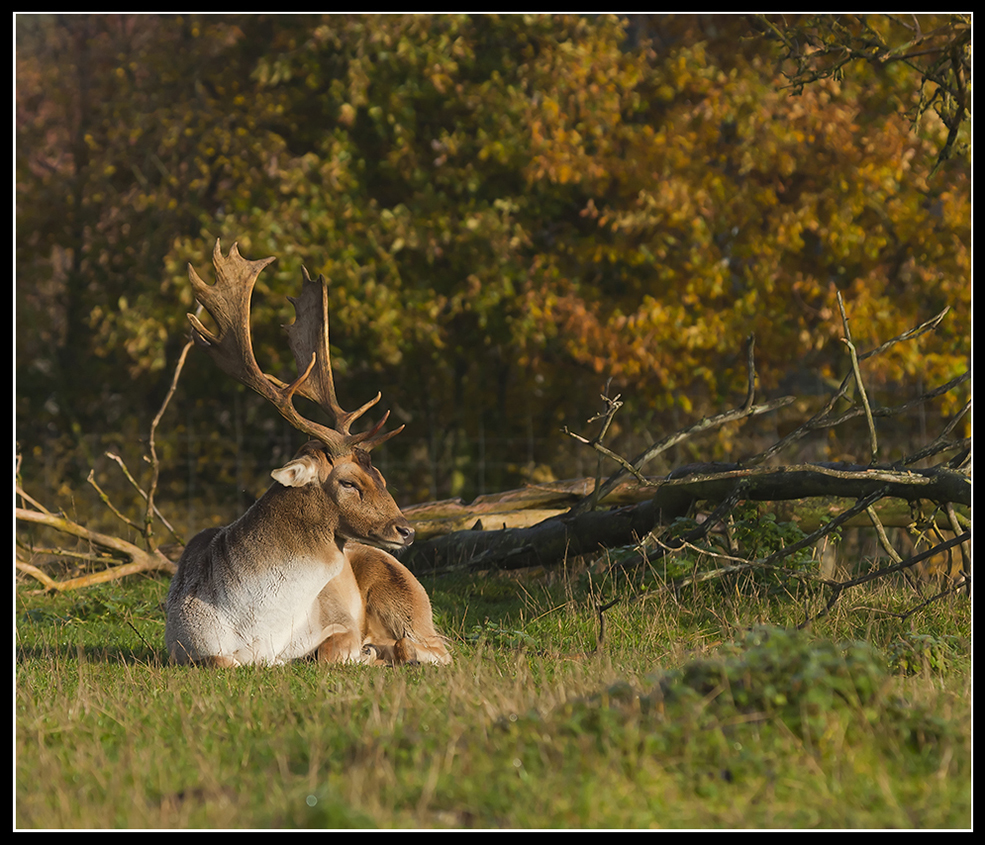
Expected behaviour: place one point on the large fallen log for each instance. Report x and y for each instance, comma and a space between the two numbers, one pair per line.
660, 501
518, 508
824, 488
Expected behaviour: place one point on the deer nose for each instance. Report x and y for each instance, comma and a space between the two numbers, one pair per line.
406, 533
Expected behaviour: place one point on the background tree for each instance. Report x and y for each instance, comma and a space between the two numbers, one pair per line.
511, 210
936, 48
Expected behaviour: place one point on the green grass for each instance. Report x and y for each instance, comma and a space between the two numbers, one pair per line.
704, 710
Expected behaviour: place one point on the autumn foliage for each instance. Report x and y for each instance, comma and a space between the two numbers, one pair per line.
511, 210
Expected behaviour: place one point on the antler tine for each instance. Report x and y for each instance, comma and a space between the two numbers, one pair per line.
370, 439
308, 337
228, 301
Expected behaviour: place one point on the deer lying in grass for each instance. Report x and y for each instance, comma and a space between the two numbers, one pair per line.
304, 571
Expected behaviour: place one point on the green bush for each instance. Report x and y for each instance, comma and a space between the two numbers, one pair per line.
784, 673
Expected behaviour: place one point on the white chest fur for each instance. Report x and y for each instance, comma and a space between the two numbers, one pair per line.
267, 616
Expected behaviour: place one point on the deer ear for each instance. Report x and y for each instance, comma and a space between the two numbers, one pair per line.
299, 472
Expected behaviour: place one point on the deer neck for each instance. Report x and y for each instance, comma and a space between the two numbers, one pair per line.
290, 523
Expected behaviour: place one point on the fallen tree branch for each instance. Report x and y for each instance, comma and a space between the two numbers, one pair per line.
943, 443
530, 505
574, 533
140, 560
713, 481
151, 510
838, 587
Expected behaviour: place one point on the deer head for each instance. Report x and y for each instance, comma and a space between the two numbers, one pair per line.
338, 462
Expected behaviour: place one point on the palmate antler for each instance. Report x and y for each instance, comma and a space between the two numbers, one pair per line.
228, 301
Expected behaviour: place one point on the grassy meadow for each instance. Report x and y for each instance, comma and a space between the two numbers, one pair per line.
703, 709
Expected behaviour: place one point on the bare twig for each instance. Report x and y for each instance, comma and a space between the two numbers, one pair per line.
143, 494
861, 505
719, 514
952, 518
960, 584
941, 442
751, 371
612, 404
594, 497
601, 609
909, 334
883, 537
112, 574
772, 561
896, 410
151, 510
873, 442
31, 501
127, 474
106, 500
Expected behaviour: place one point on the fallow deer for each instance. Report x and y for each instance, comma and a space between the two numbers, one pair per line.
304, 570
